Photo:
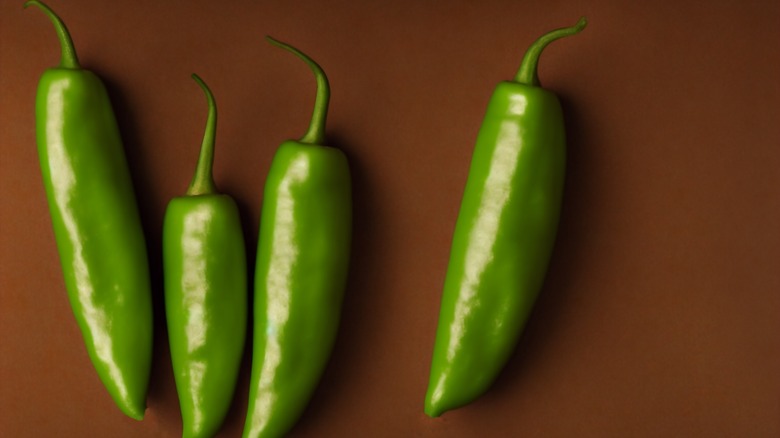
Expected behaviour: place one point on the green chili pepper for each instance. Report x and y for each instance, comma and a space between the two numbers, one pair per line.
205, 292
96, 223
503, 237
302, 261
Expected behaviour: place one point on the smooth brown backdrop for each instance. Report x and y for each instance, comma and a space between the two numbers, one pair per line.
661, 313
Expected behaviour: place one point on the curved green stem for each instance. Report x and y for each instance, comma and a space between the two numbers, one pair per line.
316, 132
527, 73
69, 58
203, 181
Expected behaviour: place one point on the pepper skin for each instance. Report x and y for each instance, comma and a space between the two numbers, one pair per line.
302, 261
503, 237
96, 224
205, 292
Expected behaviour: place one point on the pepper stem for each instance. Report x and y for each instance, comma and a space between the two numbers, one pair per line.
69, 58
316, 132
203, 181
527, 73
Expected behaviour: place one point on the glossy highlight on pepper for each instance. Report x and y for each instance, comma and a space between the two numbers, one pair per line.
301, 271
503, 237
96, 223
205, 292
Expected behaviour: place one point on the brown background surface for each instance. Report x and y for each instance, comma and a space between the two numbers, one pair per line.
661, 313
